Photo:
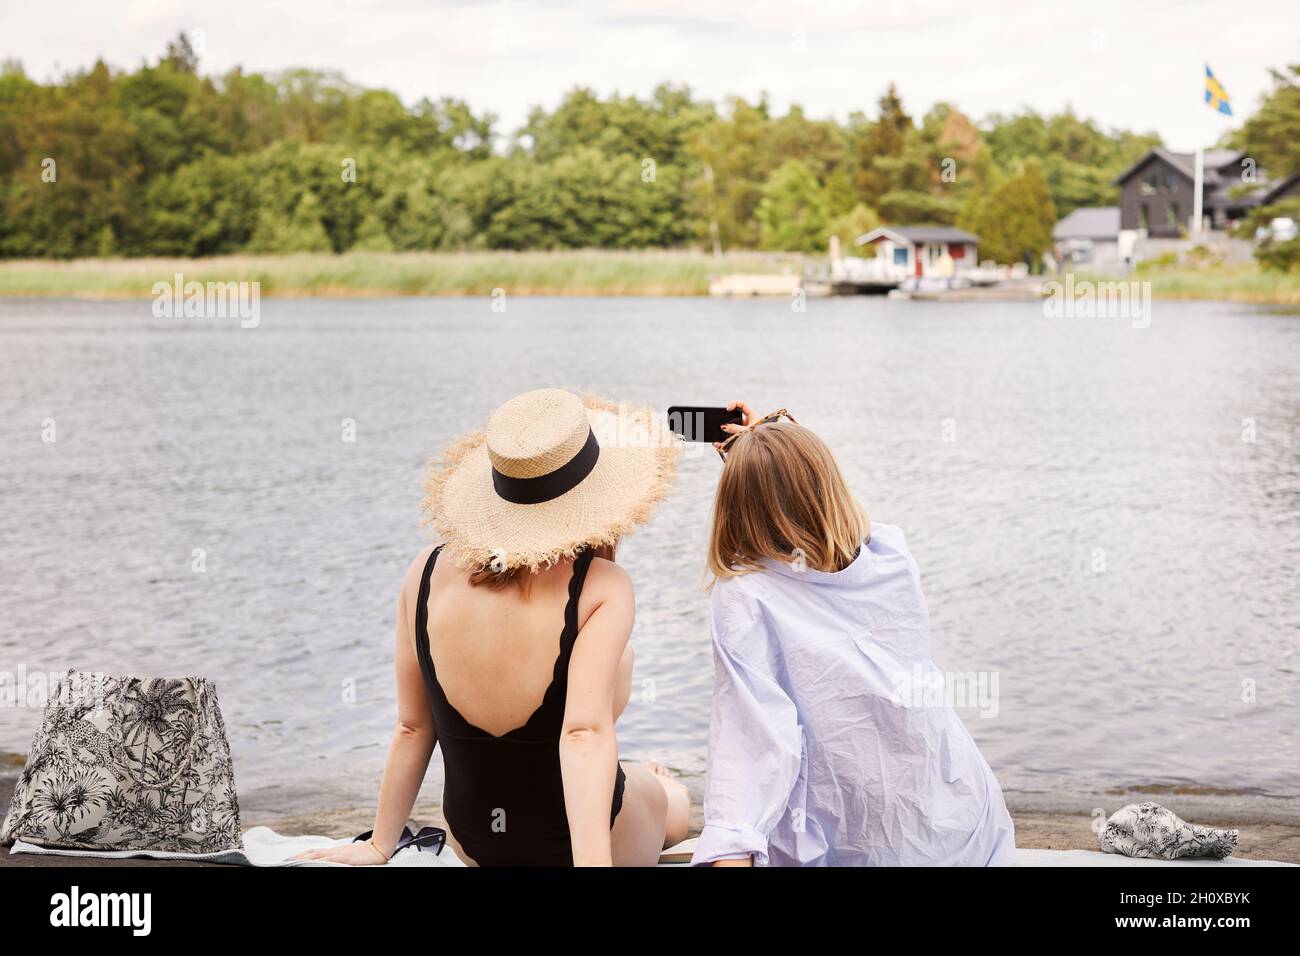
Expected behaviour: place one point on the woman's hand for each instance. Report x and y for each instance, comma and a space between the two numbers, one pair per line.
746, 422
354, 854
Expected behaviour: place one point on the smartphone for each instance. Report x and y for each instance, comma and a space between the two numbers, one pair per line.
701, 423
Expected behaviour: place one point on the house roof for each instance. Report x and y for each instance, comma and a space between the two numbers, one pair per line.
1096, 222
1276, 189
914, 234
1218, 158
1222, 178
1229, 191
1177, 160
1185, 163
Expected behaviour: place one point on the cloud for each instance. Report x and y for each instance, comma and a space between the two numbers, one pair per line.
1124, 64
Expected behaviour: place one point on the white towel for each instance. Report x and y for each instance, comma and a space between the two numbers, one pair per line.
262, 847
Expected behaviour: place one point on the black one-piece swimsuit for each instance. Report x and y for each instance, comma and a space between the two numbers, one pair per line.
504, 796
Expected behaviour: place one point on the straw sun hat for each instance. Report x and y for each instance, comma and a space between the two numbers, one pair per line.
550, 474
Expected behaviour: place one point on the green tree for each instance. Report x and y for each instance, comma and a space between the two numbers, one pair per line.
819, 144
301, 232
1079, 160
585, 199
1278, 256
793, 212
1014, 222
734, 161
208, 207
372, 236
874, 143
163, 160
180, 55
76, 134
1272, 135
840, 196
1272, 254
856, 222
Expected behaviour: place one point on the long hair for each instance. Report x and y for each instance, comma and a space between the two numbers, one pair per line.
782, 496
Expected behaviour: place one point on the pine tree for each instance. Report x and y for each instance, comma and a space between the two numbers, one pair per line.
1014, 222
882, 140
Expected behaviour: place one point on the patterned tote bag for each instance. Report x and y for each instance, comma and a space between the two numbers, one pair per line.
128, 763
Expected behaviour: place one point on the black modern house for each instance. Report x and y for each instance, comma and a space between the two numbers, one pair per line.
1156, 192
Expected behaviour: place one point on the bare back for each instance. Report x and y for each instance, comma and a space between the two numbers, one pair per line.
495, 649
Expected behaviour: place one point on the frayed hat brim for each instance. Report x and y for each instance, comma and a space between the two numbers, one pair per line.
635, 471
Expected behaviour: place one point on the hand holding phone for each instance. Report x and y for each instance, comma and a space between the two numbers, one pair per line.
703, 423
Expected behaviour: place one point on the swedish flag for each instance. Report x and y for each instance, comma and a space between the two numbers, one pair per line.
1216, 97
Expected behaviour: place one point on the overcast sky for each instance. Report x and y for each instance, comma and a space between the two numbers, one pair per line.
1128, 63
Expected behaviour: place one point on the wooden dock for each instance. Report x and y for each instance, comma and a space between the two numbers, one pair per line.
744, 285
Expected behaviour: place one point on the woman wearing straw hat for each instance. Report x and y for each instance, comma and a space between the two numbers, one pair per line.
512, 643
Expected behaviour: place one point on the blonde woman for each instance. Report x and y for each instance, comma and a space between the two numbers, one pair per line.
826, 746
512, 644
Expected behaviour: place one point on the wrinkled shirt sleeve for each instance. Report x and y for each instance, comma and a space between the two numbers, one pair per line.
755, 744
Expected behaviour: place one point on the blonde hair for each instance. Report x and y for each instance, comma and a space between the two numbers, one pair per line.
782, 496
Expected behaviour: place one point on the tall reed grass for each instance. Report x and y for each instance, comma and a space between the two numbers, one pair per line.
586, 272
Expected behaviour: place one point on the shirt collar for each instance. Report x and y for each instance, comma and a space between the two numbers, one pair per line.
849, 575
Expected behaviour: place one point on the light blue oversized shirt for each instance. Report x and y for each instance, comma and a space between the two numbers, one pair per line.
823, 749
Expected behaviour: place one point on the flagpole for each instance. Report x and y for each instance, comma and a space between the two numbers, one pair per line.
1198, 186
1198, 190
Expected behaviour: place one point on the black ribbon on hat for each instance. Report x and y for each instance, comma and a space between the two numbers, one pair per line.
533, 491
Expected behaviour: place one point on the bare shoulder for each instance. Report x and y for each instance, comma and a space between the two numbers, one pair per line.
414, 574
609, 588
608, 581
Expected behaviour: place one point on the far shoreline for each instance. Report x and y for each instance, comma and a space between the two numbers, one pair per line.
580, 273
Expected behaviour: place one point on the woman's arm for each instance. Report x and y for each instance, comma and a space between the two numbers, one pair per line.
415, 735
588, 749
755, 744
412, 745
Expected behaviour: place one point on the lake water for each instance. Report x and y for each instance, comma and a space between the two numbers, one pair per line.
1093, 525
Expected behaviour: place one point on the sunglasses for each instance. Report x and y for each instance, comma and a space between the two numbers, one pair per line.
429, 838
775, 416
